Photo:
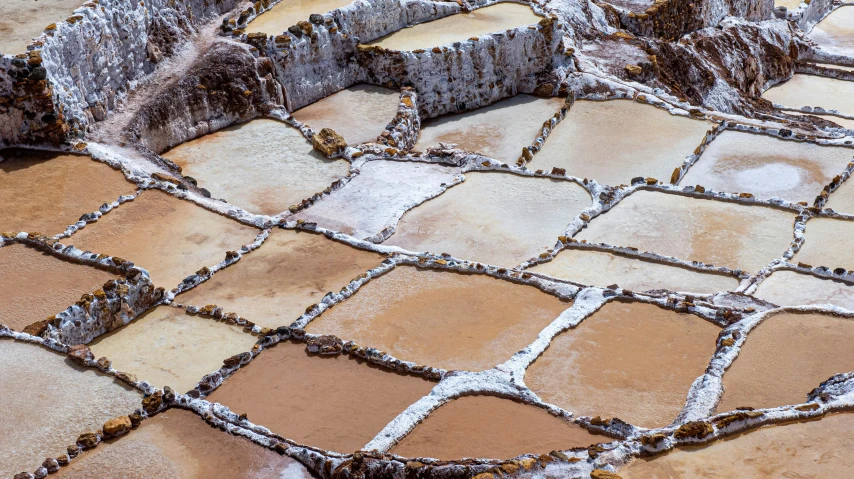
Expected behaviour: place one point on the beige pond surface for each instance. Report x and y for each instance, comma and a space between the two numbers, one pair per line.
828, 242
843, 122
442, 319
810, 90
842, 199
46, 402
273, 285
599, 268
169, 237
498, 131
263, 166
738, 162
789, 4
788, 288
786, 357
359, 113
45, 192
168, 347
35, 285
695, 229
642, 141
336, 403
803, 450
460, 27
289, 12
633, 361
23, 20
372, 200
835, 34
496, 218
177, 443
491, 427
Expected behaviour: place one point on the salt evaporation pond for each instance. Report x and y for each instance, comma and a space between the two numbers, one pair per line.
788, 288
767, 167
828, 242
460, 27
814, 91
798, 450
483, 321
289, 12
374, 200
642, 140
498, 131
23, 20
359, 113
491, 427
333, 402
275, 158
835, 33
785, 357
177, 443
603, 269
713, 232
46, 402
273, 285
35, 285
495, 218
633, 361
842, 200
169, 237
168, 347
45, 192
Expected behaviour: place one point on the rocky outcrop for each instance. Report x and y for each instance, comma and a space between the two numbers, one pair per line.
671, 19
82, 68
227, 85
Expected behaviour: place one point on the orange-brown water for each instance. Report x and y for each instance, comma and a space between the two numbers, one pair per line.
491, 427
442, 319
802, 450
177, 443
785, 357
169, 237
273, 285
634, 361
45, 192
35, 285
336, 403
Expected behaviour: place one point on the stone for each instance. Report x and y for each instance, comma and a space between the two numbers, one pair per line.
88, 440
328, 142
80, 354
117, 426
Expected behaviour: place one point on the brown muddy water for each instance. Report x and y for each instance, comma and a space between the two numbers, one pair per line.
46, 192
786, 357
633, 361
35, 285
289, 12
336, 403
273, 285
491, 427
23, 20
442, 319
